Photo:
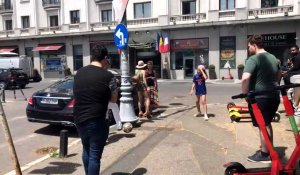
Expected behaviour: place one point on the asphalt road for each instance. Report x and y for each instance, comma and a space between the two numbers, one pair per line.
33, 140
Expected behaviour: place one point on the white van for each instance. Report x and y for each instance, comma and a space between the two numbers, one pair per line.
13, 60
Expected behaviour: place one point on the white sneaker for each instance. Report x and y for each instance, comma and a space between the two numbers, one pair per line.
119, 126
197, 114
205, 117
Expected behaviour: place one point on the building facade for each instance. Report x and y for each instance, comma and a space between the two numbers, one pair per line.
60, 33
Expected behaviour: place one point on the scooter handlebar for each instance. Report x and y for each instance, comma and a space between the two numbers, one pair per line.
282, 87
239, 96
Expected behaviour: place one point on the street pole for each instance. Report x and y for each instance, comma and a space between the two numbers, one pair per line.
127, 113
10, 143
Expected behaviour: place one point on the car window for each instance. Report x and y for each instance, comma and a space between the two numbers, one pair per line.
63, 84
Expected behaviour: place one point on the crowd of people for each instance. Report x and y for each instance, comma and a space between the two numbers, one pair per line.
96, 91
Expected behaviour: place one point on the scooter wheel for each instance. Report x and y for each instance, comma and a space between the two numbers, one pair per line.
235, 167
237, 119
276, 118
230, 105
233, 118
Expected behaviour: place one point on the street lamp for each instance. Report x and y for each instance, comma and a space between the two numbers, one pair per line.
127, 112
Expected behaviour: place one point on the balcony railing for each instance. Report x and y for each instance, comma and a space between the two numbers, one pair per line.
52, 29
142, 21
6, 9
51, 4
103, 24
102, 1
7, 33
271, 11
74, 26
193, 17
227, 13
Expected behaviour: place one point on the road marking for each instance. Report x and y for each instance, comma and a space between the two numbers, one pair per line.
29, 165
20, 140
16, 118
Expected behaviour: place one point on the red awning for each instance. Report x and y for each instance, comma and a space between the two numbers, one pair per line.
7, 49
47, 47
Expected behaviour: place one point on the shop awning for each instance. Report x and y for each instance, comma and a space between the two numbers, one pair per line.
8, 49
47, 47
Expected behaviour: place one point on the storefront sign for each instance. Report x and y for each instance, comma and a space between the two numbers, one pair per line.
201, 43
278, 39
227, 52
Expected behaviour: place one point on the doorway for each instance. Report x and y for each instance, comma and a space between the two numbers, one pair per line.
189, 66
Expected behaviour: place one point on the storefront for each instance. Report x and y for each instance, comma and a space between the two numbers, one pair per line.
186, 54
279, 45
53, 60
228, 52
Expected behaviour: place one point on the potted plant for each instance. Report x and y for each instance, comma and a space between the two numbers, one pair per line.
240, 70
212, 72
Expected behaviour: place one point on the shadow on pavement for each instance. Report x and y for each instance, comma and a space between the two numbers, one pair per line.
176, 104
57, 168
55, 131
117, 137
139, 171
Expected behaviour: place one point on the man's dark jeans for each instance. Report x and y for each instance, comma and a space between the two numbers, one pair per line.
93, 133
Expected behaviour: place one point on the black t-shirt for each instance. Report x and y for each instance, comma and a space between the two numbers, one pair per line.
92, 91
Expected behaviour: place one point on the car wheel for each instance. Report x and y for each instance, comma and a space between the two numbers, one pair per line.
2, 85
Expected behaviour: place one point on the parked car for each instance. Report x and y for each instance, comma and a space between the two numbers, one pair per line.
54, 105
13, 77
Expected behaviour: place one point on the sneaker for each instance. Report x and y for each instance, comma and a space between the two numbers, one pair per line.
119, 126
197, 114
258, 157
205, 117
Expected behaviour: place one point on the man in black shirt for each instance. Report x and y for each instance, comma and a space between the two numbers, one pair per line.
94, 87
295, 67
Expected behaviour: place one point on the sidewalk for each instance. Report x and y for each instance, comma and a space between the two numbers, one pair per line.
209, 81
175, 142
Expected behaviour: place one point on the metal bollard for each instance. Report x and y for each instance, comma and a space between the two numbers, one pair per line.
63, 147
3, 95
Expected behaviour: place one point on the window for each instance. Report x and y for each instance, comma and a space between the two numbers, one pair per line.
189, 7
7, 4
142, 10
227, 4
77, 57
25, 22
106, 15
8, 24
53, 21
269, 3
75, 18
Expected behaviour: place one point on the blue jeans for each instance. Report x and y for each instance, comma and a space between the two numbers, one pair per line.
93, 133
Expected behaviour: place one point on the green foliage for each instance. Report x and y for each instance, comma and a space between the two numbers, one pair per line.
211, 66
241, 66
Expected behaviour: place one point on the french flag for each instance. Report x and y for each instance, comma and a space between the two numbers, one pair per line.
166, 43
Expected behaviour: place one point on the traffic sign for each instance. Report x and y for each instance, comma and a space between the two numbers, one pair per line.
121, 36
119, 8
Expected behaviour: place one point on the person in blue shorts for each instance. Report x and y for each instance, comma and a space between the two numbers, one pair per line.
199, 88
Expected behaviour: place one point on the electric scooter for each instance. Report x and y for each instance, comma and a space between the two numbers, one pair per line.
236, 113
277, 168
230, 77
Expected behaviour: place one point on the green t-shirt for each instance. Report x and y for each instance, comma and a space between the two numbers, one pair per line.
264, 69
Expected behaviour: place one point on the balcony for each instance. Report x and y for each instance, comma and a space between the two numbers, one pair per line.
6, 9
192, 18
270, 12
103, 1
7, 33
103, 25
50, 30
143, 22
51, 4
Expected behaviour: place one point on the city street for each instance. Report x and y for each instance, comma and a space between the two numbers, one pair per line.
172, 142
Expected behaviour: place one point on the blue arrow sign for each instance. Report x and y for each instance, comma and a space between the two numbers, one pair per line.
121, 36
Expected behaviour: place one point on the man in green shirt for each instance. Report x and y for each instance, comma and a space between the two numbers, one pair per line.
262, 72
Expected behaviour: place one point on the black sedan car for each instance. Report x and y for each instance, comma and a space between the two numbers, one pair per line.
54, 105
